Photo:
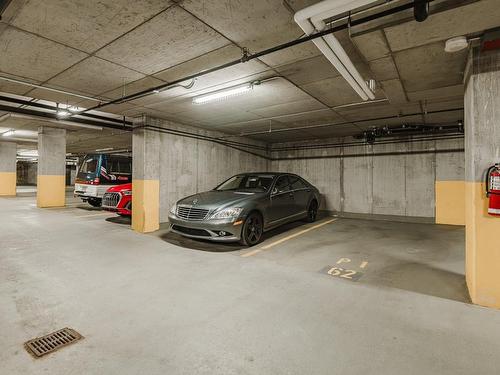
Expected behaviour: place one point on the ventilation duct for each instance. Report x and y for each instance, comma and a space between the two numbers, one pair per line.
312, 19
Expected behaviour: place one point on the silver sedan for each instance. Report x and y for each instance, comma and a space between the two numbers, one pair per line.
243, 207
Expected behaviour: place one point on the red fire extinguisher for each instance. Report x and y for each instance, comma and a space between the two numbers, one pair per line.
493, 189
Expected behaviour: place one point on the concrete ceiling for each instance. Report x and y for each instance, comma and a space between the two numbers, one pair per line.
79, 138
108, 49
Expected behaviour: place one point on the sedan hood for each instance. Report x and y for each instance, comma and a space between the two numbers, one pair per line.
217, 199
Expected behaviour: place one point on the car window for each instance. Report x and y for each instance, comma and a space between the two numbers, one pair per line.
89, 165
282, 185
258, 183
125, 166
296, 183
112, 166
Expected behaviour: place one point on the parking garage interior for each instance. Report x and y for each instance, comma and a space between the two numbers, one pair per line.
390, 109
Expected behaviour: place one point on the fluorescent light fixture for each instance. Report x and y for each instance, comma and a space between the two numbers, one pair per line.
223, 94
62, 113
104, 149
28, 153
8, 133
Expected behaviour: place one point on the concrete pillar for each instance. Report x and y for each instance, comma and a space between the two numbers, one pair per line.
51, 181
8, 152
145, 184
450, 184
482, 149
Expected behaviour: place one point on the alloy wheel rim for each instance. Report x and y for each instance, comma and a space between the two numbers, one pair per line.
312, 212
254, 230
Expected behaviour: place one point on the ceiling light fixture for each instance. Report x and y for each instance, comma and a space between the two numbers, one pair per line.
223, 94
456, 44
8, 133
62, 112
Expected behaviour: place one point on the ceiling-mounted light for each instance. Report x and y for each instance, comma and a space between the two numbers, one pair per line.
456, 44
8, 133
62, 113
223, 94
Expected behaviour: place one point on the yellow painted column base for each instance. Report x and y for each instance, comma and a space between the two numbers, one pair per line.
8, 184
482, 248
450, 202
51, 191
145, 205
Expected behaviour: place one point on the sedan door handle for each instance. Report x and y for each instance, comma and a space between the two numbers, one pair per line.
290, 194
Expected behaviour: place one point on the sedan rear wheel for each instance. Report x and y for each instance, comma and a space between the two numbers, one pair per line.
252, 230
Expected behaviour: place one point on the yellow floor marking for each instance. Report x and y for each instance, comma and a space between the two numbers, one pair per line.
343, 260
250, 253
256, 251
363, 265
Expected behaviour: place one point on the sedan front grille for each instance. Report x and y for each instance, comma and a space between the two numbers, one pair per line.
110, 199
191, 213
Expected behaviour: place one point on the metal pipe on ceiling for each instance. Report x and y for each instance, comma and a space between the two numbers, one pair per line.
65, 92
242, 147
305, 113
54, 121
28, 103
350, 122
52, 116
311, 20
249, 56
375, 154
199, 136
409, 139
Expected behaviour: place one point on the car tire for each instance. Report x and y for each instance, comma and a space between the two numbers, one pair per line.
421, 10
95, 202
312, 212
252, 230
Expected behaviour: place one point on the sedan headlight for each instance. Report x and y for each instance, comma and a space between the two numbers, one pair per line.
173, 209
227, 213
127, 192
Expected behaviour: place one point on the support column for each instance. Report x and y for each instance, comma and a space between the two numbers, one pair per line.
450, 184
8, 152
482, 149
51, 181
145, 183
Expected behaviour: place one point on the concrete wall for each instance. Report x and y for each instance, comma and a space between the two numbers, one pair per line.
188, 165
389, 179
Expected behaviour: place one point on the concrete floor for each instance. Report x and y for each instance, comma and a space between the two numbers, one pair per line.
161, 304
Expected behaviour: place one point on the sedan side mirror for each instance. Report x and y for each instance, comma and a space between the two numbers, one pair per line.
275, 191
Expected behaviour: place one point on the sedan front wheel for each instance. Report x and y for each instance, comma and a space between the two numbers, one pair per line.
252, 230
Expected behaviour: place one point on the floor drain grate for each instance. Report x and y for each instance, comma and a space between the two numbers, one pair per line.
49, 343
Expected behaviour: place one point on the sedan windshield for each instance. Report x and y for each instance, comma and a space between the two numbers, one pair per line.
246, 182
